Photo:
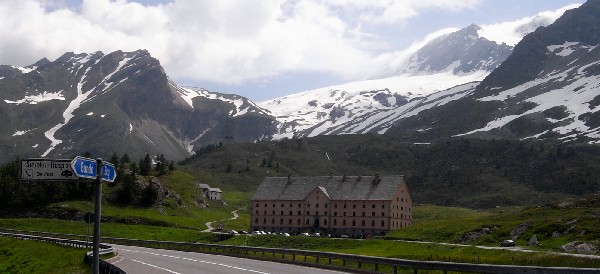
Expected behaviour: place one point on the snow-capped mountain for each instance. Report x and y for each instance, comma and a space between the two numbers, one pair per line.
461, 52
549, 88
444, 70
119, 102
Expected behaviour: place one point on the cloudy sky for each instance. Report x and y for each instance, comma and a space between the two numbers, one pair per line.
261, 49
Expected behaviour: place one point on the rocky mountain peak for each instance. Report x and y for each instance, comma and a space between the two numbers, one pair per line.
460, 52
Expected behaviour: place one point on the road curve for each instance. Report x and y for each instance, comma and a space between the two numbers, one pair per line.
134, 260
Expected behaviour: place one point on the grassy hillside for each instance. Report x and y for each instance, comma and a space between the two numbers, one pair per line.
21, 256
461, 172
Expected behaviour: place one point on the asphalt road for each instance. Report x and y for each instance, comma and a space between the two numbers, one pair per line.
134, 260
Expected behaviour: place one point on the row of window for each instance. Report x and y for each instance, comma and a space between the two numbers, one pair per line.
317, 205
308, 223
335, 214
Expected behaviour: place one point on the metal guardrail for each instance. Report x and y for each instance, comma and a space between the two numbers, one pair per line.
331, 260
105, 267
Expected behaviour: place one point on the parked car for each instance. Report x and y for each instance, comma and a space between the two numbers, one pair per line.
304, 234
507, 243
233, 232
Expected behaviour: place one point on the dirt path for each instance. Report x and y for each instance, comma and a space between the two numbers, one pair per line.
209, 227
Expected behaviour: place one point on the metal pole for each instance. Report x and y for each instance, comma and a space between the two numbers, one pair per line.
96, 260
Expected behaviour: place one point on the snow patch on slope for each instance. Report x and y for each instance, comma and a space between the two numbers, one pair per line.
38, 98
574, 96
362, 106
68, 114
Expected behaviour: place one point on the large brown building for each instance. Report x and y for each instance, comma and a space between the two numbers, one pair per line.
351, 205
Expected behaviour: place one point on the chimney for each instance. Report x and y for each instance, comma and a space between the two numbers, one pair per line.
376, 179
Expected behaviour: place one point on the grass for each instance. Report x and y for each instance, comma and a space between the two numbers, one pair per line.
23, 256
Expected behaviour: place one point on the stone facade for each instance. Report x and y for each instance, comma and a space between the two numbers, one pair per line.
338, 205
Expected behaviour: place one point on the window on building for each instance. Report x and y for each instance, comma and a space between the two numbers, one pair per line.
273, 221
334, 221
401, 208
335, 213
290, 205
282, 212
344, 205
373, 206
317, 205
299, 213
298, 221
353, 206
257, 205
273, 205
363, 205
325, 213
273, 212
290, 213
325, 205
382, 206
372, 222
290, 221
382, 214
344, 214
257, 212
281, 205
373, 213
344, 222
307, 205
362, 222
280, 221
264, 220
363, 214
299, 205
325, 222
334, 205
353, 223
256, 221
307, 212
382, 223
307, 222
353, 214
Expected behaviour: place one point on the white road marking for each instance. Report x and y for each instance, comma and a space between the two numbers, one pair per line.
161, 268
192, 260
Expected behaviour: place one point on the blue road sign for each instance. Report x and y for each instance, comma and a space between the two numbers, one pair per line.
87, 168
84, 167
109, 173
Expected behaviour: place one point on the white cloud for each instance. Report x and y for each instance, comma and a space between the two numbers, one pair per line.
224, 41
512, 32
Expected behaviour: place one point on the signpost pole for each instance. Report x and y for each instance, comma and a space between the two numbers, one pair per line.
96, 259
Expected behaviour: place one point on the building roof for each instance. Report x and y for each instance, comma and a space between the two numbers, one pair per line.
214, 189
337, 187
203, 186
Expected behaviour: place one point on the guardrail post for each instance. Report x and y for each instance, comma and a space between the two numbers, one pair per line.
359, 264
395, 269
376, 267
329, 260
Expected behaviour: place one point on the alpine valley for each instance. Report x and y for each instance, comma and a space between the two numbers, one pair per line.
458, 85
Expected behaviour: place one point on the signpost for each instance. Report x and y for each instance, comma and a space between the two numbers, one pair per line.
46, 170
98, 170
66, 169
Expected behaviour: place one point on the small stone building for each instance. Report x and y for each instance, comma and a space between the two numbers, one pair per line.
350, 205
214, 193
